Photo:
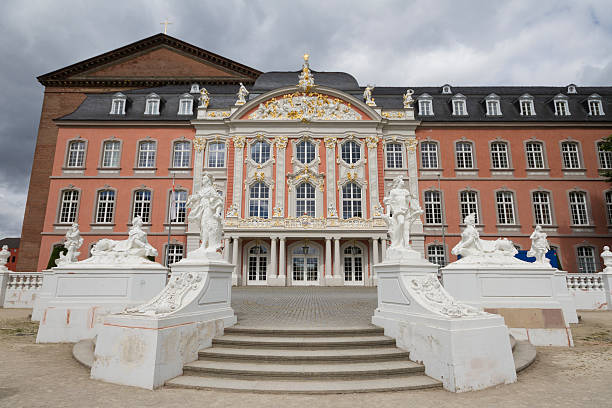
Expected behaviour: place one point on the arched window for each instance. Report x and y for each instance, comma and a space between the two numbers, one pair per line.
351, 201
394, 156
111, 153
499, 155
305, 151
260, 152
216, 154
535, 155
106, 207
142, 205
178, 206
259, 200
351, 152
181, 154
305, 200
468, 201
257, 264
68, 206
465, 159
76, 154
353, 264
146, 154
118, 104
152, 104
586, 259
429, 155
185, 104
571, 155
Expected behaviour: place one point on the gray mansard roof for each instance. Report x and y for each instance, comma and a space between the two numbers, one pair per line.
96, 107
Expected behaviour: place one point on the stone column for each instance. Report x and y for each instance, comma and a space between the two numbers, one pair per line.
337, 279
384, 249
281, 148
238, 167
4, 279
226, 249
274, 272
375, 260
372, 145
330, 177
328, 258
417, 237
281, 279
235, 251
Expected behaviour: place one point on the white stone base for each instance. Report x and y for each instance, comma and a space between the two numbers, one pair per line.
278, 280
147, 346
544, 337
76, 297
529, 296
464, 348
334, 280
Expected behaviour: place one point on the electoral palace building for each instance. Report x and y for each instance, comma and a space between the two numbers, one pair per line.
304, 162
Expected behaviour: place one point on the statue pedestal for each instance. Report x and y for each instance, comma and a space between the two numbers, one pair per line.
148, 346
76, 297
461, 346
532, 298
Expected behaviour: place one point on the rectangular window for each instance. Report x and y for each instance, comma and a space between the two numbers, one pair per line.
605, 157
578, 208
425, 108
429, 155
106, 207
595, 108
459, 107
351, 201
216, 154
535, 155
178, 206
146, 154
76, 154
185, 107
493, 108
152, 107
68, 207
468, 201
181, 155
433, 207
118, 107
111, 154
561, 108
505, 207
259, 200
435, 254
174, 253
571, 160
305, 203
609, 206
394, 156
541, 208
527, 108
142, 205
464, 155
499, 155
586, 260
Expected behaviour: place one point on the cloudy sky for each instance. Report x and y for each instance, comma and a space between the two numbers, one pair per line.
401, 43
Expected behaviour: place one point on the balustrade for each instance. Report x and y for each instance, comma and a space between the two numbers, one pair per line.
584, 281
24, 281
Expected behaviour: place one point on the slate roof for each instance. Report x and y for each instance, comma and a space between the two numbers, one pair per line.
96, 107
10, 242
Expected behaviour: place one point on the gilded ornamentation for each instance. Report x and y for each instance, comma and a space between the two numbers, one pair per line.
232, 211
331, 210
330, 141
239, 141
305, 107
393, 115
305, 175
411, 144
277, 211
217, 114
367, 95
378, 210
259, 176
372, 141
408, 98
306, 79
199, 143
204, 98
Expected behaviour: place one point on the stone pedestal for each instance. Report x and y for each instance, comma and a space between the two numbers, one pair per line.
77, 296
461, 346
149, 345
4, 277
606, 277
528, 296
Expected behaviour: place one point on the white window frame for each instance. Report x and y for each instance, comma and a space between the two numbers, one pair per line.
571, 89
541, 202
526, 106
142, 203
174, 253
257, 272
394, 157
604, 157
152, 104
118, 104
351, 152
181, 154
585, 260
536, 157
76, 156
459, 105
500, 155
561, 105
446, 89
185, 105
505, 205
69, 205
435, 253
578, 208
263, 203
433, 207
105, 206
469, 203
350, 278
425, 105
427, 155
112, 153
570, 155
216, 156
177, 211
493, 105
353, 205
307, 203
147, 157
463, 156
595, 105
305, 150
257, 150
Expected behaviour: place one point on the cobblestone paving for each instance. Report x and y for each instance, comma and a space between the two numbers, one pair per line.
304, 307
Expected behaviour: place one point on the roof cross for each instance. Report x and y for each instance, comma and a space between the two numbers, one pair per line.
165, 23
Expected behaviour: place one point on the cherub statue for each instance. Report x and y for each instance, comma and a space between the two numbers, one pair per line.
539, 245
204, 97
408, 98
207, 208
367, 95
4, 256
72, 243
242, 94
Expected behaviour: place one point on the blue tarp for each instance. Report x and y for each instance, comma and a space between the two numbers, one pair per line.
551, 255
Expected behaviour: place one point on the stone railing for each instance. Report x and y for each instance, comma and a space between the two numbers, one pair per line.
20, 289
304, 223
588, 290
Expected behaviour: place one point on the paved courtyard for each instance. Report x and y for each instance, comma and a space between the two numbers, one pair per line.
37, 375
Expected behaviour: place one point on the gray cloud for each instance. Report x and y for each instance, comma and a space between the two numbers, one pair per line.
390, 42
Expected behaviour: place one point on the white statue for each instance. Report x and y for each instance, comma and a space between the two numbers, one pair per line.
242, 94
606, 255
72, 242
207, 209
204, 98
539, 246
367, 95
4, 256
475, 250
133, 250
402, 210
408, 98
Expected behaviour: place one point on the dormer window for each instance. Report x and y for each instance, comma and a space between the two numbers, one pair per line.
526, 105
595, 105
446, 89
571, 89
561, 105
152, 105
459, 108
195, 88
425, 105
118, 104
492, 104
185, 105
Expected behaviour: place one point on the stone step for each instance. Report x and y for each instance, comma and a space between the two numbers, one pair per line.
328, 386
291, 356
302, 342
305, 332
335, 370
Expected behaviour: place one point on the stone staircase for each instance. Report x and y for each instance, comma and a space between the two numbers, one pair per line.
304, 361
